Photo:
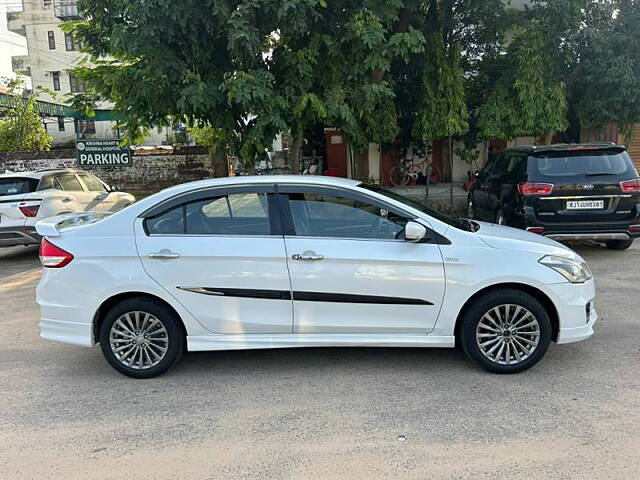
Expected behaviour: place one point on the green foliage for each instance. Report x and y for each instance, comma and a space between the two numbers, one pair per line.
607, 78
528, 99
443, 111
21, 128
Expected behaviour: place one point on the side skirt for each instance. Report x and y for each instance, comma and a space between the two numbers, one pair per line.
202, 343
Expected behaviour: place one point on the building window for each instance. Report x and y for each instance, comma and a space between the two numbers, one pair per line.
52, 40
46, 3
56, 80
86, 126
77, 85
61, 124
69, 42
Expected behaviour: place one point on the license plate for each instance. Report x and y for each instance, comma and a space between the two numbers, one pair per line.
585, 204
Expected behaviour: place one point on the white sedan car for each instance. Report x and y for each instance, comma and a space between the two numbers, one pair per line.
291, 261
28, 197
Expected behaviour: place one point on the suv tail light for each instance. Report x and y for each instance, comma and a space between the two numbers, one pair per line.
630, 185
52, 256
30, 208
534, 188
538, 230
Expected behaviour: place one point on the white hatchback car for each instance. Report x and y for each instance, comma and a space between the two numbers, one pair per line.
291, 261
27, 197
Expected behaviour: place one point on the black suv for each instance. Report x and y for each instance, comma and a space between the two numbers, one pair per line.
566, 192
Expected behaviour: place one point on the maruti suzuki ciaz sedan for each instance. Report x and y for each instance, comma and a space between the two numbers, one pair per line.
289, 261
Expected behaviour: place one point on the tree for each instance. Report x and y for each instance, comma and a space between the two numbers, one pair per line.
219, 145
21, 129
606, 80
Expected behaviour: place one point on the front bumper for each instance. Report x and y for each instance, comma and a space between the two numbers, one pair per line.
576, 310
12, 236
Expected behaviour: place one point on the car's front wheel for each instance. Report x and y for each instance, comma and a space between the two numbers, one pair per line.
619, 244
141, 337
505, 331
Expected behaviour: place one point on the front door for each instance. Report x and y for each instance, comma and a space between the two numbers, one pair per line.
100, 197
351, 270
216, 253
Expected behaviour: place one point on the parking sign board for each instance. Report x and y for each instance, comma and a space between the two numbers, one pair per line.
102, 152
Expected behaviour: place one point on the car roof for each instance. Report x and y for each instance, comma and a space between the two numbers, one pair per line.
253, 179
38, 174
566, 147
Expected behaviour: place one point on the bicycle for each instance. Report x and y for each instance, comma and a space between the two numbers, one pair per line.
407, 172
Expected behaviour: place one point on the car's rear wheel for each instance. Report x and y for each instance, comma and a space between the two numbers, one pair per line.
505, 331
619, 244
141, 337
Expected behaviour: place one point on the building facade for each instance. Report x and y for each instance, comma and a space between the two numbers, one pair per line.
52, 55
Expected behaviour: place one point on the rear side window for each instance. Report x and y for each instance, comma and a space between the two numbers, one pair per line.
17, 186
68, 183
581, 164
234, 214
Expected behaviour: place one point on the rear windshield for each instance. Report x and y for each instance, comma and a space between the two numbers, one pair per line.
581, 164
17, 186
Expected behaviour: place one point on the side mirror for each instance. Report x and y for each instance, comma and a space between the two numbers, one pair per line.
114, 188
415, 233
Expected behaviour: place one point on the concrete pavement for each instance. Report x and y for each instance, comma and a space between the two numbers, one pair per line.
326, 412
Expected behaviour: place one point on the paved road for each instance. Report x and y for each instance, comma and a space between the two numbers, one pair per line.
323, 413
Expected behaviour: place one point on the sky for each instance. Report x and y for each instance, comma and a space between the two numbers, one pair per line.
10, 43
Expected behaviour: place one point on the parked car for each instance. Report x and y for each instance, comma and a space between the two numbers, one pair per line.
304, 261
565, 192
28, 197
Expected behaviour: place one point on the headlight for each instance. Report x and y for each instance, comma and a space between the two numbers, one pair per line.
572, 270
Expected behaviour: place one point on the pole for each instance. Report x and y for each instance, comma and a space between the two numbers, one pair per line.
451, 174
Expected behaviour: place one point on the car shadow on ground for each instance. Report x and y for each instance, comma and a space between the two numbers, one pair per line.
14, 260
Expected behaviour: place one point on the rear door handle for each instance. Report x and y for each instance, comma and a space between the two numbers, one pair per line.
164, 254
308, 255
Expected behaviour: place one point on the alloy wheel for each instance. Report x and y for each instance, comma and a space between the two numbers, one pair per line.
508, 334
139, 340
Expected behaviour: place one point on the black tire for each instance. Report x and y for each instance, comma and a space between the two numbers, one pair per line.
619, 244
172, 331
500, 298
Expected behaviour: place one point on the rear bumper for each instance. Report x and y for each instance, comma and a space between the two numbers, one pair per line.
598, 236
12, 236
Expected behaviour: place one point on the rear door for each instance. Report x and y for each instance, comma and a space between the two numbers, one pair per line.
351, 270
219, 252
77, 198
586, 187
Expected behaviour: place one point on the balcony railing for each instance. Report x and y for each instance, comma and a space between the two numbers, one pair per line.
66, 10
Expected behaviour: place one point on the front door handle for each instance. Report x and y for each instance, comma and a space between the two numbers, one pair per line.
164, 254
67, 200
308, 255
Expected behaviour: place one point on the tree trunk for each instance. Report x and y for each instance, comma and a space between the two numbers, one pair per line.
220, 164
451, 175
296, 151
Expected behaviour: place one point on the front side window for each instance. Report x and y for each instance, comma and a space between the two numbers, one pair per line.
325, 215
233, 214
68, 183
92, 183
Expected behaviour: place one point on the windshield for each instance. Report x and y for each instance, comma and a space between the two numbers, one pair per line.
581, 164
17, 186
461, 223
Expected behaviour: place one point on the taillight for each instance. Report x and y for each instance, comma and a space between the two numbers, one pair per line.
30, 208
52, 256
634, 228
630, 185
534, 188
537, 230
